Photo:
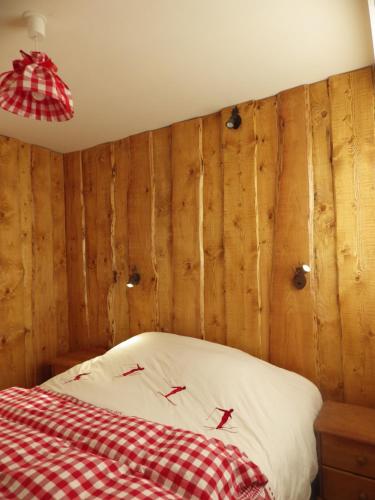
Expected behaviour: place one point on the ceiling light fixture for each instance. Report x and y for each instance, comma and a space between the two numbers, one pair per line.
235, 119
33, 89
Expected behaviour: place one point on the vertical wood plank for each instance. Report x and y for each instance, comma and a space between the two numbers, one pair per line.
266, 130
119, 304
90, 202
214, 286
161, 144
186, 168
26, 227
102, 155
76, 254
59, 252
326, 286
44, 310
141, 298
97, 175
240, 234
352, 111
12, 347
293, 331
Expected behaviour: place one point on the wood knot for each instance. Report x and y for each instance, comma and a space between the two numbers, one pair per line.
346, 251
237, 222
215, 321
324, 114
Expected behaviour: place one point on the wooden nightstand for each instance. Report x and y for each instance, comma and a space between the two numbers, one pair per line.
70, 359
346, 448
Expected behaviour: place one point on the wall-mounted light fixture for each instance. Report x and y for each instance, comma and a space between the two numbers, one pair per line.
134, 279
235, 119
299, 278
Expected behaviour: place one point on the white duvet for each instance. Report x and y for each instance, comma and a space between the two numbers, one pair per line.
267, 412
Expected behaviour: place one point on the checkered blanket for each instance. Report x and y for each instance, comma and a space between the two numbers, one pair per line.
54, 446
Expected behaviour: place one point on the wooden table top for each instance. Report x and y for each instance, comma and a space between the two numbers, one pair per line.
348, 421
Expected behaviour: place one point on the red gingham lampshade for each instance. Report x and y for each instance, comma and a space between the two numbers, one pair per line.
34, 90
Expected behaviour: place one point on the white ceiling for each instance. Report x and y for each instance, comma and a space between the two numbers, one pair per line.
135, 65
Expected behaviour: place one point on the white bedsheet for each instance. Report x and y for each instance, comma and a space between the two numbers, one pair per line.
273, 409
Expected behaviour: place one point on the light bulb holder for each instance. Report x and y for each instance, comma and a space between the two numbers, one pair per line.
134, 280
299, 278
36, 24
235, 119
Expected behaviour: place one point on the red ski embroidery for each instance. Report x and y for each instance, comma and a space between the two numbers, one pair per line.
133, 370
227, 414
175, 390
222, 425
77, 377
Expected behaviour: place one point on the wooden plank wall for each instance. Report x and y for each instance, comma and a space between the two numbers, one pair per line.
216, 221
33, 278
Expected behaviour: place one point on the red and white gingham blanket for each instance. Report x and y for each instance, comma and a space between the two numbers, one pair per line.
56, 447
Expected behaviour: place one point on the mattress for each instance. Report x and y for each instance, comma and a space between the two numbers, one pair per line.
212, 390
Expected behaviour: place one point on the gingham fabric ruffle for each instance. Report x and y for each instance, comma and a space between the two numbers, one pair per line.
34, 90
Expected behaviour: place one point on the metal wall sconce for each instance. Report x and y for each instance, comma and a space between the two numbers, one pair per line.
234, 120
134, 280
299, 278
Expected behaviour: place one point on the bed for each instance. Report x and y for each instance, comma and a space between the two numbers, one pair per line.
161, 416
